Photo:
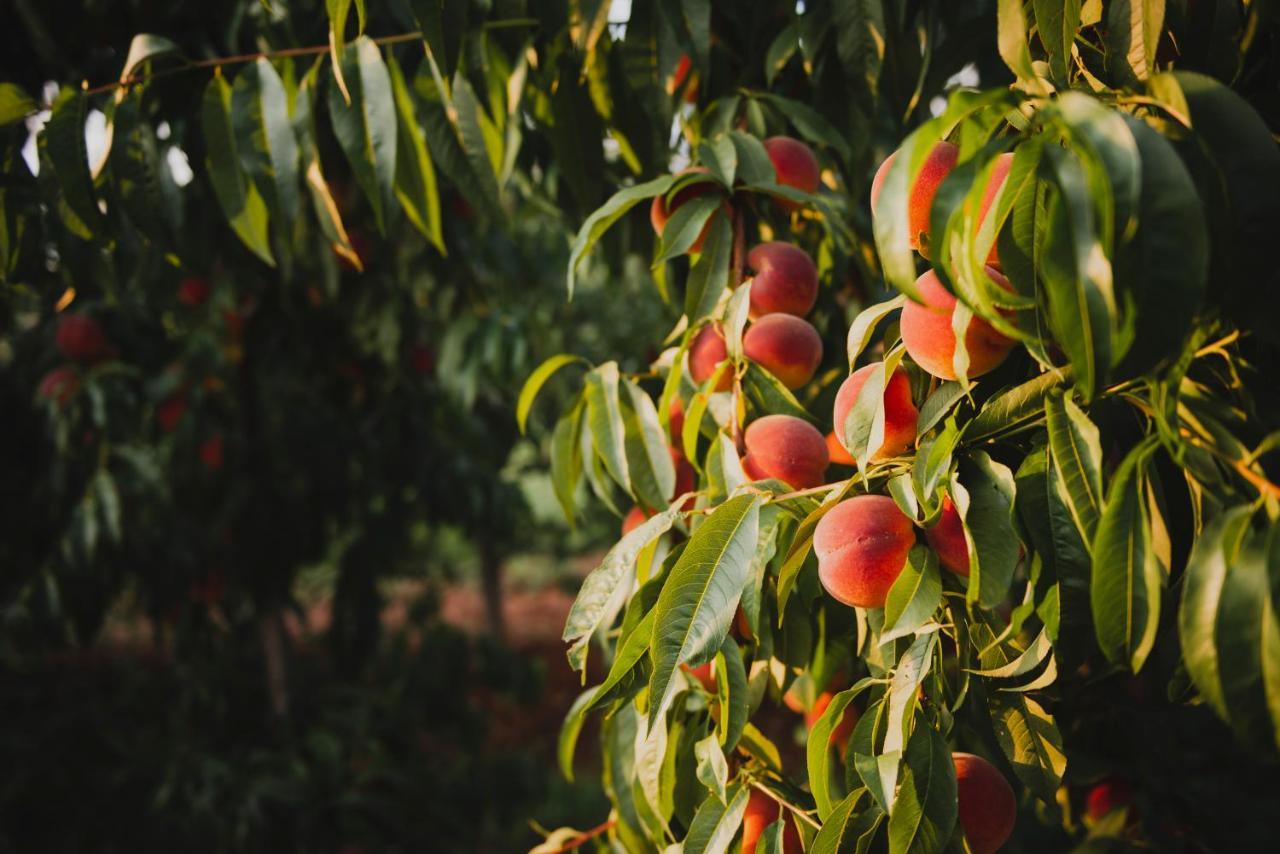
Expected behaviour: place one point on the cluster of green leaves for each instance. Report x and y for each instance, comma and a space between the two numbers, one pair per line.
1111, 477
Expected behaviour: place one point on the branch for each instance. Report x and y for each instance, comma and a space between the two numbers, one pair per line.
586, 836
799, 813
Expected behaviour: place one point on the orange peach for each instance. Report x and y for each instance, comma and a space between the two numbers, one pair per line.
786, 448
762, 811
988, 808
836, 452
794, 164
704, 674
930, 341
786, 346
947, 539
786, 281
661, 210
937, 165
862, 546
634, 519
999, 174
900, 414
80, 338
842, 732
706, 352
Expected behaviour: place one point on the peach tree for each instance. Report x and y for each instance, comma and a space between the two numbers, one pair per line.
1012, 550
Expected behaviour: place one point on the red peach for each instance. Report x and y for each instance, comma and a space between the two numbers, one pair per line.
900, 414
947, 539
794, 164
786, 448
836, 452
675, 421
762, 811
80, 338
937, 165
171, 410
988, 808
930, 341
59, 385
1107, 797
661, 210
706, 352
634, 519
786, 346
685, 477
704, 674
193, 291
786, 280
211, 452
862, 546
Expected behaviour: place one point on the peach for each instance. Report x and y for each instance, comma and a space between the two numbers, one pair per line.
900, 414
786, 346
706, 352
170, 411
794, 164
634, 519
678, 77
862, 546
675, 421
786, 280
1108, 797
987, 805
836, 452
80, 338
661, 210
762, 811
930, 341
938, 163
193, 291
946, 537
59, 386
704, 674
685, 477
786, 448
843, 731
999, 174
211, 452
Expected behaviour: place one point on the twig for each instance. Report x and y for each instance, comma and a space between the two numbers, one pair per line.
799, 813
586, 836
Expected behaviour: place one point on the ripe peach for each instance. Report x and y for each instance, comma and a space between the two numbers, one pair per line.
762, 811
786, 346
937, 165
862, 546
634, 519
685, 477
80, 338
193, 291
930, 341
900, 414
675, 420
171, 410
999, 173
786, 280
706, 352
661, 210
703, 673
836, 452
59, 385
843, 731
786, 448
987, 805
795, 165
947, 539
1107, 797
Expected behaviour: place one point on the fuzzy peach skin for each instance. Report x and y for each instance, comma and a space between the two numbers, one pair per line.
900, 413
988, 808
786, 448
795, 166
930, 341
762, 811
946, 537
660, 211
786, 280
843, 731
836, 452
706, 352
786, 346
937, 165
862, 546
999, 173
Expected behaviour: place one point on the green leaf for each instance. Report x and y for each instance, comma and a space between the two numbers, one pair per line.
811, 124
1127, 578
986, 508
709, 275
818, 746
604, 418
566, 458
754, 165
1057, 22
715, 824
939, 402
924, 812
768, 396
567, 744
1077, 457
63, 141
1030, 739
366, 128
141, 177
903, 699
15, 104
914, 596
1132, 33
1016, 406
265, 140
698, 600
240, 201
864, 325
535, 382
713, 770
1013, 34
606, 215
684, 226
416, 186
606, 588
847, 832
1248, 641
631, 651
649, 463
444, 25
323, 203
731, 690
145, 48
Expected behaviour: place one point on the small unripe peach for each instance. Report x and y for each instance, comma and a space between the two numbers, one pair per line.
939, 162
927, 333
786, 281
795, 165
987, 806
842, 732
836, 452
80, 338
862, 546
900, 413
761, 812
786, 346
999, 173
946, 536
786, 448
660, 211
706, 352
